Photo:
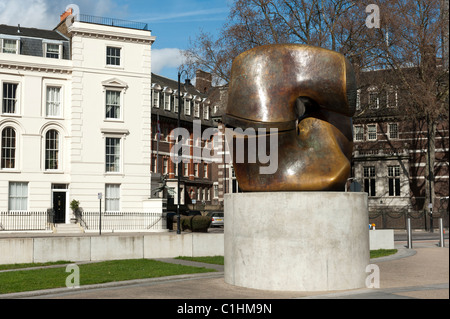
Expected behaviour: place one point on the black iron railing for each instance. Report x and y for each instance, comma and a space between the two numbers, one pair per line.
112, 22
25, 221
122, 221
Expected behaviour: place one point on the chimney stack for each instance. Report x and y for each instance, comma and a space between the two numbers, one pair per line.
66, 14
203, 81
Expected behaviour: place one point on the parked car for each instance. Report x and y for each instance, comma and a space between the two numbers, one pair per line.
217, 219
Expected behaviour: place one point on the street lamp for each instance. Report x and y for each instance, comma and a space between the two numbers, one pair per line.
179, 153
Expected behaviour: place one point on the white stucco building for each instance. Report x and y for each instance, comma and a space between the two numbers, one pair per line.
75, 116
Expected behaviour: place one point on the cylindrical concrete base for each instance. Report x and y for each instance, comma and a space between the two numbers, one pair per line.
297, 241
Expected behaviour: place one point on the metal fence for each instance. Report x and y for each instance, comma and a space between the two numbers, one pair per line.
24, 221
90, 221
122, 221
385, 219
112, 22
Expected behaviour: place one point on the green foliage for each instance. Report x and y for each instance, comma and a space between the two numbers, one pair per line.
74, 205
195, 223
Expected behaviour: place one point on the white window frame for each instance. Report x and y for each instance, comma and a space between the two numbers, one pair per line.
114, 46
205, 170
9, 38
215, 190
187, 107
196, 109
46, 101
155, 98
369, 133
121, 99
17, 104
361, 127
167, 101
23, 198
120, 161
45, 44
175, 103
389, 131
112, 199
16, 139
205, 112
59, 150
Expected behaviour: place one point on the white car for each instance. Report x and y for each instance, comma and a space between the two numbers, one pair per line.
216, 219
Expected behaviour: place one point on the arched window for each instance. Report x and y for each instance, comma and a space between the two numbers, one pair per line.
52, 150
8, 144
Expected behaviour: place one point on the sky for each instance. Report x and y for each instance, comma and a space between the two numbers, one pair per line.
174, 22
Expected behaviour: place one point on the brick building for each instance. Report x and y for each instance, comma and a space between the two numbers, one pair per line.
390, 157
199, 178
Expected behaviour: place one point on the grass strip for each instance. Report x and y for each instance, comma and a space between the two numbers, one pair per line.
95, 273
382, 253
217, 260
31, 265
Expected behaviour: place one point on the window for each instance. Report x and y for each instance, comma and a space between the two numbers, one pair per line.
215, 191
205, 170
369, 180
196, 170
112, 104
372, 132
393, 130
112, 154
9, 100
18, 196
155, 99
51, 150
205, 112
186, 169
9, 46
187, 107
112, 197
165, 166
359, 133
374, 100
53, 101
175, 104
52, 50
113, 56
358, 99
394, 180
8, 144
166, 101
196, 109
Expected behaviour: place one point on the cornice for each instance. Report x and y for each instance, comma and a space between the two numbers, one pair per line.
111, 35
23, 66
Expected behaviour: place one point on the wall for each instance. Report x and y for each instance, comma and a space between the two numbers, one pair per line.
96, 248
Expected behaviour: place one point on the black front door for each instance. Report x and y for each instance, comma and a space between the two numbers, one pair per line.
59, 207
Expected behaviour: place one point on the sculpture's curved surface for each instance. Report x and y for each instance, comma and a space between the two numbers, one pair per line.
309, 95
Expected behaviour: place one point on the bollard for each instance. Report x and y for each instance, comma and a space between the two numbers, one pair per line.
441, 233
408, 229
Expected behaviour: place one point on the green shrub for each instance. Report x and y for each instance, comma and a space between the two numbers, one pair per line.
195, 223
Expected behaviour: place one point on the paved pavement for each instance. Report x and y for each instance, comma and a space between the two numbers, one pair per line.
419, 273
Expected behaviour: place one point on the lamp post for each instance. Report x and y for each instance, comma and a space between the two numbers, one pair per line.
179, 153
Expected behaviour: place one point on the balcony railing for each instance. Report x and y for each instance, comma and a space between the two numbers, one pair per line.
112, 22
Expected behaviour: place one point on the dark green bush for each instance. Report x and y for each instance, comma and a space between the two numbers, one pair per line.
195, 223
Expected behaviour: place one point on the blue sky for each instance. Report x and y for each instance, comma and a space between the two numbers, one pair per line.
173, 22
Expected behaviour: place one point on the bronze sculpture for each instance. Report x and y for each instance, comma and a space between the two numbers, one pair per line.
309, 95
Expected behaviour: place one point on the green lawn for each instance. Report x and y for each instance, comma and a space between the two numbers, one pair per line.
108, 271
95, 273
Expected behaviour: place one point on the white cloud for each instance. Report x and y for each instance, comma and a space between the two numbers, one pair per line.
45, 13
166, 58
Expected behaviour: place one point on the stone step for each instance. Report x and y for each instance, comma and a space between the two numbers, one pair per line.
68, 229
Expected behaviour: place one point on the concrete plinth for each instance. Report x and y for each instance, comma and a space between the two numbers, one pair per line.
297, 241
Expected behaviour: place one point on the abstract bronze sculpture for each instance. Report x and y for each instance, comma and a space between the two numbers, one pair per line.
309, 95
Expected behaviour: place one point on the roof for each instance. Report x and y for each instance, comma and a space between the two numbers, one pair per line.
31, 32
164, 82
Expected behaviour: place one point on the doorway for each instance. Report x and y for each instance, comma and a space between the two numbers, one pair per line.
59, 207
